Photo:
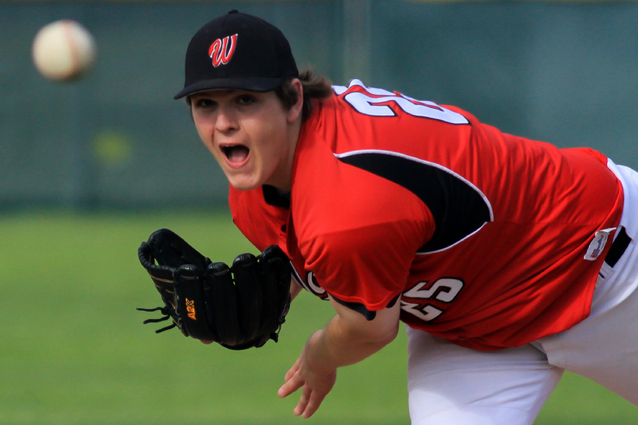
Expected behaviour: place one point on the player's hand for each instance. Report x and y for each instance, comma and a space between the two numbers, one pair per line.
316, 381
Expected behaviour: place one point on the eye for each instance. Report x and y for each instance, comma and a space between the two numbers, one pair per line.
203, 102
246, 99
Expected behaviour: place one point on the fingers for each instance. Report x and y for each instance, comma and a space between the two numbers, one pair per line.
315, 384
293, 383
306, 394
292, 371
309, 402
310, 399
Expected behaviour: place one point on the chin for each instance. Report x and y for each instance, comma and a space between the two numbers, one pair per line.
244, 184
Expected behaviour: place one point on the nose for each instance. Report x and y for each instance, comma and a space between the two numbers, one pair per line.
225, 121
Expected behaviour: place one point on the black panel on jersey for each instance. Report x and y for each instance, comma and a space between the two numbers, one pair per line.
360, 308
457, 207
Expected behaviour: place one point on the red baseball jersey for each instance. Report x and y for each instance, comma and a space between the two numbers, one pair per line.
487, 239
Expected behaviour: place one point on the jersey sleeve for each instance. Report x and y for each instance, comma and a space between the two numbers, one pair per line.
360, 243
364, 265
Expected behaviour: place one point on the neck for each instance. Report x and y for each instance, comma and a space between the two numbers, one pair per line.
283, 180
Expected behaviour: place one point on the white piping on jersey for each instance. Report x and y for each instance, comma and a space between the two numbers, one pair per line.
454, 244
356, 82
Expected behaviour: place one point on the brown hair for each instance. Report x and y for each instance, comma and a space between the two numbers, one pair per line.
314, 87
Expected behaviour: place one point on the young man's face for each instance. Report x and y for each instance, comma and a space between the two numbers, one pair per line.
249, 134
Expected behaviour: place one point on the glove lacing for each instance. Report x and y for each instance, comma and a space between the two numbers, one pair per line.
165, 312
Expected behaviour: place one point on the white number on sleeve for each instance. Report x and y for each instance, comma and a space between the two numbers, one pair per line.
374, 102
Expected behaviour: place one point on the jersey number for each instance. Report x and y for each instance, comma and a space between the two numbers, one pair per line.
374, 102
444, 290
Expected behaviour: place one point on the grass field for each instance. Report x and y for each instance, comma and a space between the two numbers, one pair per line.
74, 350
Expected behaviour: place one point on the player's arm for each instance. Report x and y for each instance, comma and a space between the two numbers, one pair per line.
295, 289
347, 339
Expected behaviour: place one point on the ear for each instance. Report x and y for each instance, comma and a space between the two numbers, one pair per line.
295, 110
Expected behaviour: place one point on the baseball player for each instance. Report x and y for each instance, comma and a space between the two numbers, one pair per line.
510, 260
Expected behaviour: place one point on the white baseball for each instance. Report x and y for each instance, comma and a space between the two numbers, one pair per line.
63, 50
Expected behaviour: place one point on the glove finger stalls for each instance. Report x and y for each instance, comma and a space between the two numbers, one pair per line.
145, 255
157, 272
221, 303
274, 262
191, 308
162, 277
275, 272
248, 287
171, 250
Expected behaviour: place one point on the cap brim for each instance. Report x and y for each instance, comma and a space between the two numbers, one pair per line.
249, 84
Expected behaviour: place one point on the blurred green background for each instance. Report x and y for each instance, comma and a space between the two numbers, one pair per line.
562, 72
74, 350
88, 170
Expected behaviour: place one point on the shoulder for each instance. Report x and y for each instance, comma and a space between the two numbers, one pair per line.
340, 207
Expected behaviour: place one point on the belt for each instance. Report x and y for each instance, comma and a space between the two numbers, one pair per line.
618, 247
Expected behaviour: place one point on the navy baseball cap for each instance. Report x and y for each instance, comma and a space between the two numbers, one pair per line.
237, 51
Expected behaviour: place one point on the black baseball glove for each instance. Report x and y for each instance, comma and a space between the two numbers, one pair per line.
239, 307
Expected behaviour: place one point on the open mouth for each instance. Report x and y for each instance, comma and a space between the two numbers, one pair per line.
236, 154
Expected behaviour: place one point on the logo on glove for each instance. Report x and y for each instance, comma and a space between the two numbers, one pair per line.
190, 308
